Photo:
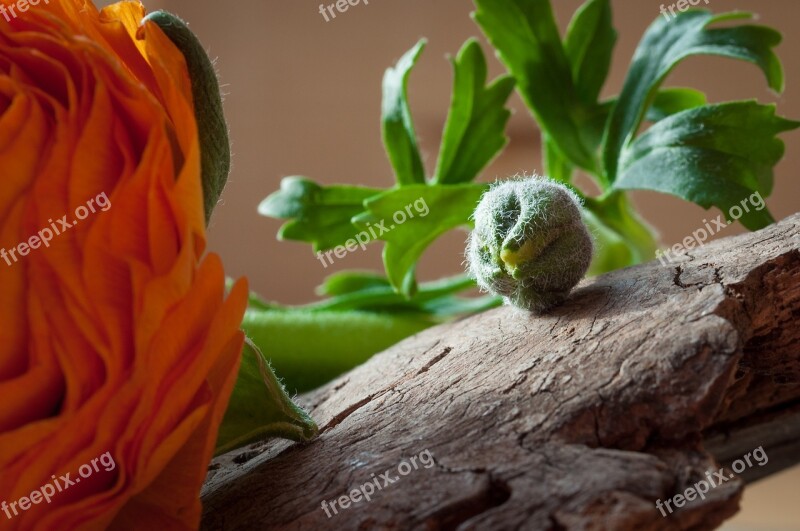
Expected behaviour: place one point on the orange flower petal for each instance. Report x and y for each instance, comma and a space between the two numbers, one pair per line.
117, 336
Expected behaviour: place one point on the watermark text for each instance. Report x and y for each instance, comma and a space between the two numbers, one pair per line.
367, 490
699, 237
60, 226
715, 479
682, 6
375, 231
48, 491
341, 6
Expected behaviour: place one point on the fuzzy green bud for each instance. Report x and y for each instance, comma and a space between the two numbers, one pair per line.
530, 244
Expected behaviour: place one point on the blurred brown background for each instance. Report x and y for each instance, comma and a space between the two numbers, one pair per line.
303, 98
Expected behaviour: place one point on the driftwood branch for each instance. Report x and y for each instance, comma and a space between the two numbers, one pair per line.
629, 393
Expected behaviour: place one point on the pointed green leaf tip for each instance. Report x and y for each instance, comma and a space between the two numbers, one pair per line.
259, 407
215, 151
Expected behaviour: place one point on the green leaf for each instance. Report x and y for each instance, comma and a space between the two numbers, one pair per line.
589, 45
365, 291
347, 282
667, 101
259, 407
526, 38
212, 129
663, 46
318, 215
375, 294
399, 137
461, 306
715, 155
445, 208
474, 132
671, 101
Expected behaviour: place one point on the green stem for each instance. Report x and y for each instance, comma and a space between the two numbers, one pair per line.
308, 348
616, 212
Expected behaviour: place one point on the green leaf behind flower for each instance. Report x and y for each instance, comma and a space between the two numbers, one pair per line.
399, 136
447, 207
475, 130
527, 40
665, 44
714, 155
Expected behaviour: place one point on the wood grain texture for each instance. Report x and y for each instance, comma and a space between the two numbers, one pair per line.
579, 419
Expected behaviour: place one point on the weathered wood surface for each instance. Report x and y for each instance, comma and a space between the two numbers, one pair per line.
579, 419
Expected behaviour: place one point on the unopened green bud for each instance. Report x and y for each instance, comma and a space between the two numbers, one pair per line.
530, 244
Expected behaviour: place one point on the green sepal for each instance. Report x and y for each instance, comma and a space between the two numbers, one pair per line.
259, 407
212, 129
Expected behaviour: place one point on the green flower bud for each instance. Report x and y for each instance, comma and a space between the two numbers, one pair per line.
530, 244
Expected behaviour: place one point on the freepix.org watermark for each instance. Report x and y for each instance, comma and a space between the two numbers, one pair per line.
48, 491
56, 228
340, 5
682, 6
12, 11
699, 237
715, 479
418, 207
367, 490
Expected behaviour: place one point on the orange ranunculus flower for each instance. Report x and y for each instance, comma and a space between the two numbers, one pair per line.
115, 336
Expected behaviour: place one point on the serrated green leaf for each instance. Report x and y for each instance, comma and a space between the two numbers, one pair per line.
259, 407
589, 45
475, 129
715, 155
399, 136
664, 45
526, 38
671, 101
668, 101
448, 207
318, 215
